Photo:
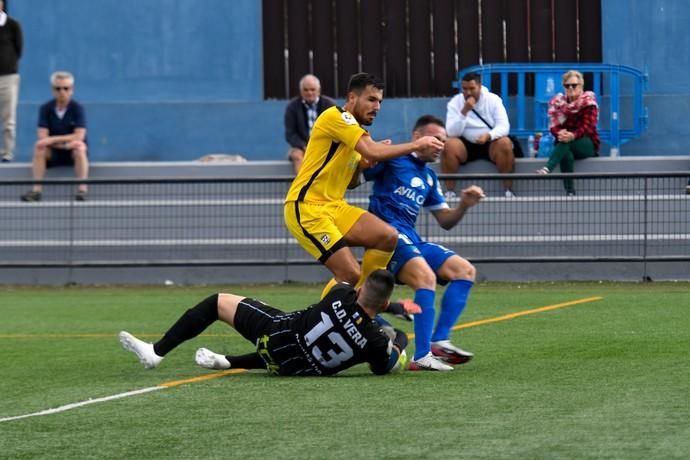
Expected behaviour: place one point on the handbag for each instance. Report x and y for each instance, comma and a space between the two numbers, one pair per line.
517, 148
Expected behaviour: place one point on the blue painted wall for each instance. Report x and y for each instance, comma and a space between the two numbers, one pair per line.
163, 79
178, 79
653, 35
143, 50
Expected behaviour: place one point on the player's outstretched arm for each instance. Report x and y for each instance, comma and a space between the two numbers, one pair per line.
449, 217
381, 151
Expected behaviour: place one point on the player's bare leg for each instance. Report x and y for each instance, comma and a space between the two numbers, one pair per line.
344, 266
378, 238
227, 307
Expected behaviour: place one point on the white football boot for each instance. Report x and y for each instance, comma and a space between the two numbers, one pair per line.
210, 360
428, 363
143, 350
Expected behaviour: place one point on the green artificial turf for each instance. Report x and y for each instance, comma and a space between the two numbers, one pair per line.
605, 378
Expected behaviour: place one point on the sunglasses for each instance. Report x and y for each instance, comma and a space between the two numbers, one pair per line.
62, 88
571, 85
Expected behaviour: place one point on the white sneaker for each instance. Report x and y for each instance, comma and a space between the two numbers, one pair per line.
143, 350
210, 360
509, 193
428, 363
450, 195
543, 171
446, 351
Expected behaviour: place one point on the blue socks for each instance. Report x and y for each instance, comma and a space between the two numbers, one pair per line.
452, 305
424, 321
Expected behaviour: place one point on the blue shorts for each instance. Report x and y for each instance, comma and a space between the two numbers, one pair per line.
434, 254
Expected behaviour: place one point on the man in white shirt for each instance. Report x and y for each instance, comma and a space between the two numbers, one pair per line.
477, 125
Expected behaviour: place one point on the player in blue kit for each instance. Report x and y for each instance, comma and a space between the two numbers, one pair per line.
402, 187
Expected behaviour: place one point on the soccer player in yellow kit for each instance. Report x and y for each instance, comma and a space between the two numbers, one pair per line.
316, 212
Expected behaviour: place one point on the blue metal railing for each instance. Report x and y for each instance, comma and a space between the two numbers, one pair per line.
547, 79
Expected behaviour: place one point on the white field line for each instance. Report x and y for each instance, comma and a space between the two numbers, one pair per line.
67, 407
161, 386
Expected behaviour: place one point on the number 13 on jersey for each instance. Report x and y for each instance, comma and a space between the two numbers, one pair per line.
328, 357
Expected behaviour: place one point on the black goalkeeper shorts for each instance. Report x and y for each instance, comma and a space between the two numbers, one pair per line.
254, 319
270, 330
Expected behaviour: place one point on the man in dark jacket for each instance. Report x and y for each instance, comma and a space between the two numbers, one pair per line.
11, 43
300, 115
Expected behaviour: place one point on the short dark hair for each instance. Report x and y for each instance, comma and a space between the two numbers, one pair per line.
359, 81
378, 288
472, 76
428, 120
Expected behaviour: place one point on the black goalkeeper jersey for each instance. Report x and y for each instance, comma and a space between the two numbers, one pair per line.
336, 334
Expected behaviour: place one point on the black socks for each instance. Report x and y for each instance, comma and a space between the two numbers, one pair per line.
192, 323
248, 361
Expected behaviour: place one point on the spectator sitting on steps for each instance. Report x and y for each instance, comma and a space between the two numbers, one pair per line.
300, 115
61, 137
573, 122
477, 126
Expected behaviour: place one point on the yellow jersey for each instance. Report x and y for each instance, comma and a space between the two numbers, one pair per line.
330, 159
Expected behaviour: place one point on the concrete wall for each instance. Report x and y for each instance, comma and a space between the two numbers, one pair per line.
513, 272
178, 79
143, 51
652, 35
161, 79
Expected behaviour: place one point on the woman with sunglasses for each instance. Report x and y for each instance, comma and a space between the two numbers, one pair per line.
573, 123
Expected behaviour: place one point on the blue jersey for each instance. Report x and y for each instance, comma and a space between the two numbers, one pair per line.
402, 187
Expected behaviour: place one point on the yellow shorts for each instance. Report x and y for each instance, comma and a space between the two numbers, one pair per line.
319, 228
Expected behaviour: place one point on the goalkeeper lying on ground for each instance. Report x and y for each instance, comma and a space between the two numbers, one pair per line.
335, 334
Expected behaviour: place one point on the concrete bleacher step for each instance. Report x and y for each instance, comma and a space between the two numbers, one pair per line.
240, 228
159, 170
249, 169
281, 174
164, 222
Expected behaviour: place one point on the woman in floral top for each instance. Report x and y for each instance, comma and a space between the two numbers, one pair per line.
573, 123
